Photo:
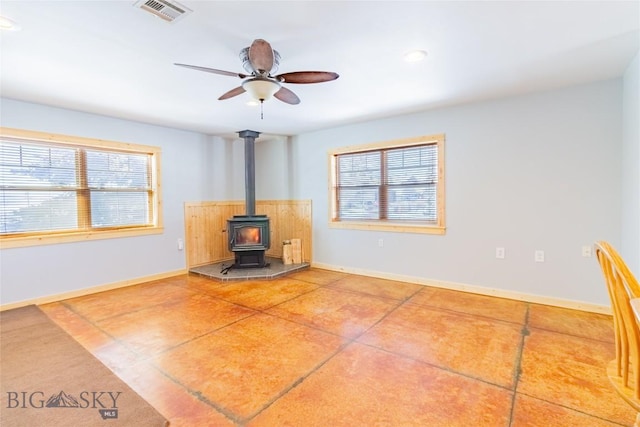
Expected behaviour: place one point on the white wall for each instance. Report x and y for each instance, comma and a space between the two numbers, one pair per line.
274, 165
194, 168
534, 172
630, 247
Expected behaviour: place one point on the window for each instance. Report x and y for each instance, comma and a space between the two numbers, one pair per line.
394, 186
56, 188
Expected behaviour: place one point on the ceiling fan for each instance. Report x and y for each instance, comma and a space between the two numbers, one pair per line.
261, 62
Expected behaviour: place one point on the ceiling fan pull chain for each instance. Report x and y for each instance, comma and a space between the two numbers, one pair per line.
262, 109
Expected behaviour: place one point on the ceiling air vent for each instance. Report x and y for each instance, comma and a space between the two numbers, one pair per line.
169, 11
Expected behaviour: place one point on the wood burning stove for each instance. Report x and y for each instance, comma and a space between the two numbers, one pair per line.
249, 239
248, 235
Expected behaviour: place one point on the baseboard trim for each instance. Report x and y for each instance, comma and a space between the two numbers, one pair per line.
92, 290
519, 296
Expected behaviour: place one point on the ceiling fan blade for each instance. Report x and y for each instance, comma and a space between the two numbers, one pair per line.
233, 92
213, 70
285, 95
261, 56
307, 77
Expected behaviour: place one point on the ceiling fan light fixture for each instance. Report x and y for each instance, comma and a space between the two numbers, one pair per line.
7, 24
261, 89
415, 55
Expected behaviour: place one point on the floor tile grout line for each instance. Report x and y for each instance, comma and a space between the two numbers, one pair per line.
356, 337
67, 302
312, 326
198, 395
264, 310
333, 285
392, 310
142, 357
340, 349
574, 409
298, 381
315, 327
306, 325
258, 310
582, 337
139, 357
149, 360
406, 301
209, 332
329, 286
230, 415
350, 342
318, 286
366, 294
433, 365
555, 403
221, 298
322, 285
353, 292
466, 313
518, 364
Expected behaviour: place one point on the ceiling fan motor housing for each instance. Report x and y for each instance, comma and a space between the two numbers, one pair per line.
246, 63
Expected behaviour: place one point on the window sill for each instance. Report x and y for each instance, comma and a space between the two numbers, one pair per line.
389, 226
55, 238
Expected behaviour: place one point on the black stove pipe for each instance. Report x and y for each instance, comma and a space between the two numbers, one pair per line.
249, 170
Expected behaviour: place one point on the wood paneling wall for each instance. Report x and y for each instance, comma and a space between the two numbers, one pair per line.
206, 227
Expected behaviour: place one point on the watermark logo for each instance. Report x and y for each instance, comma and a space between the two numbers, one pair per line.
62, 400
108, 413
106, 402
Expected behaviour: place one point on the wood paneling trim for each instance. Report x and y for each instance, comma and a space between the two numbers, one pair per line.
206, 223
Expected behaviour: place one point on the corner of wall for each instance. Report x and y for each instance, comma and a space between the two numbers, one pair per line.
630, 248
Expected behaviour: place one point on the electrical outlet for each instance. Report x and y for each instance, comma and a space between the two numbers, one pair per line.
380, 243
586, 251
500, 253
539, 256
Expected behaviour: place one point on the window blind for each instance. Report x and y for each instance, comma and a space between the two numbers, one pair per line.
359, 179
119, 187
398, 184
53, 187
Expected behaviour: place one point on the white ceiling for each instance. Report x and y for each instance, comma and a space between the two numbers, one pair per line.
111, 58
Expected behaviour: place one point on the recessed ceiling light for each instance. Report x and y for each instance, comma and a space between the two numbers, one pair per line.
7, 24
415, 55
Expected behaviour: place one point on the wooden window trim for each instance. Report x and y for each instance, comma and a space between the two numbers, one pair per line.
67, 236
439, 227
